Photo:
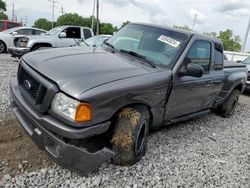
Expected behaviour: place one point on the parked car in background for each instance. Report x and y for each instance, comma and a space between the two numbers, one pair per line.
97, 40
6, 24
63, 36
6, 37
247, 62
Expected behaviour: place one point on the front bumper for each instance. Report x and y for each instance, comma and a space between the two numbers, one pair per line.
18, 52
70, 156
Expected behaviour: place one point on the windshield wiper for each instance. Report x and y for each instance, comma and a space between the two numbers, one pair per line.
135, 54
110, 45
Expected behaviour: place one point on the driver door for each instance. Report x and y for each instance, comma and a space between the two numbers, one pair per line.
73, 35
191, 94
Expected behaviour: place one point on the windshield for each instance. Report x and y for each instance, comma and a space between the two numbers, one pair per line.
54, 31
246, 61
161, 46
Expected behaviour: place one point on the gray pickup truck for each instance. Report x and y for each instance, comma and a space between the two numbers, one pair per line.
86, 105
63, 36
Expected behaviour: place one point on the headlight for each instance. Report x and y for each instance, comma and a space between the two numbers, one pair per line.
71, 109
21, 42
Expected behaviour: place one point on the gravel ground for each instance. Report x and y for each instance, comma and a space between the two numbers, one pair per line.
8, 69
206, 152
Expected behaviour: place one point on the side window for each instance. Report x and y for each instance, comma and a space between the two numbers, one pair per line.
200, 53
24, 32
11, 25
73, 32
37, 32
218, 57
87, 33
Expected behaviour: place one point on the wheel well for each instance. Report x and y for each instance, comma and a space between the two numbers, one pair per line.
239, 87
5, 46
41, 45
134, 105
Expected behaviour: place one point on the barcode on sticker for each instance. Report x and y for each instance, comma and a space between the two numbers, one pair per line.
169, 41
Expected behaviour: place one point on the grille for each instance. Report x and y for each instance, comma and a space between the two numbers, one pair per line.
37, 91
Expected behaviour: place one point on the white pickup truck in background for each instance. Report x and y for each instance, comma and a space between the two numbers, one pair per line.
63, 36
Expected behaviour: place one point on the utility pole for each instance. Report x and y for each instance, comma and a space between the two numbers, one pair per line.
53, 2
195, 19
25, 20
93, 17
97, 17
13, 11
62, 11
246, 36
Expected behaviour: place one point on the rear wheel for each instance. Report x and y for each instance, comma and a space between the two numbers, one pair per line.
2, 47
129, 140
228, 107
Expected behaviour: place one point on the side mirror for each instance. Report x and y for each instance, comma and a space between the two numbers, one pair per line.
62, 35
192, 69
14, 33
238, 61
105, 40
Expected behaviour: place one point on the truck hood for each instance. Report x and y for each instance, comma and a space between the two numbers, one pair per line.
78, 69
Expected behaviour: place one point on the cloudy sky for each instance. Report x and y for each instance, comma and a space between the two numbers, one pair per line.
212, 15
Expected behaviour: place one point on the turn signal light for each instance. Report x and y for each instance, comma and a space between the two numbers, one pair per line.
83, 112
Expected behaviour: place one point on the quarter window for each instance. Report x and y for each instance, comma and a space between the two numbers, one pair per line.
218, 57
200, 53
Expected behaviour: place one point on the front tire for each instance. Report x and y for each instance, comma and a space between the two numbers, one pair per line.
2, 47
129, 140
228, 107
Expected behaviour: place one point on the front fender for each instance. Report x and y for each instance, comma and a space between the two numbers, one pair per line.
149, 90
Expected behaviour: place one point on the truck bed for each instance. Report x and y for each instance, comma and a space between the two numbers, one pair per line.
232, 64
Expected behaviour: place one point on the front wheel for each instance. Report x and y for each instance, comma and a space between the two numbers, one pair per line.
129, 140
2, 47
228, 107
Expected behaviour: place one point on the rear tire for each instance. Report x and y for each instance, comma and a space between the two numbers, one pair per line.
129, 140
3, 47
228, 107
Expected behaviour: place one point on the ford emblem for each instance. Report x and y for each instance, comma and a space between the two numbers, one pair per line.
27, 84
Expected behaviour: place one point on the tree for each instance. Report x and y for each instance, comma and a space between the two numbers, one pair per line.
73, 19
2, 10
43, 23
231, 42
107, 28
124, 24
212, 34
185, 27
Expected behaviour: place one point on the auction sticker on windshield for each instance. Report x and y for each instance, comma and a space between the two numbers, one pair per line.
168, 40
